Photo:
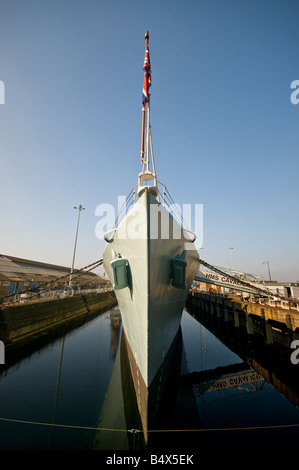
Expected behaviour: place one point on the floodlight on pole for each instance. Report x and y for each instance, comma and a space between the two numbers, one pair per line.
231, 248
80, 208
267, 262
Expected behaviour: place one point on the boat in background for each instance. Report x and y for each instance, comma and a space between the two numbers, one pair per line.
151, 260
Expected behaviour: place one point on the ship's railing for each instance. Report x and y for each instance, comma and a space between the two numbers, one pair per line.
163, 197
130, 200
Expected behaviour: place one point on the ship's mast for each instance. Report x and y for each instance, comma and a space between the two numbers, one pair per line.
143, 108
146, 139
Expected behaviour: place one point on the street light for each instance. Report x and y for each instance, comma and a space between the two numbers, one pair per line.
231, 248
267, 262
80, 208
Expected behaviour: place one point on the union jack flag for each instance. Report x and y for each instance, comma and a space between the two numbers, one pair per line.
147, 78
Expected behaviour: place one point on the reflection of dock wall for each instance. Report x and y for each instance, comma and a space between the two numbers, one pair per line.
17, 322
257, 333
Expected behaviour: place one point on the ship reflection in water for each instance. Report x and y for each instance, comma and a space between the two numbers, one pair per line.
217, 390
247, 395
142, 412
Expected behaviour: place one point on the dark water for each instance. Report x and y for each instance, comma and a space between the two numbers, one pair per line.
75, 393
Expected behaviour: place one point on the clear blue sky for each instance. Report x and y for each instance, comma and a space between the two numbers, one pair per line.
225, 132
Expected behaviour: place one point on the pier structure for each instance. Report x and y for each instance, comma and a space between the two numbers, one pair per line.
245, 299
256, 314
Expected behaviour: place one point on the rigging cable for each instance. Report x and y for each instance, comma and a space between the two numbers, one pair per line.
240, 282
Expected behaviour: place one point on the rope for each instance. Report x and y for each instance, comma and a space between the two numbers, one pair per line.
21, 421
134, 431
245, 428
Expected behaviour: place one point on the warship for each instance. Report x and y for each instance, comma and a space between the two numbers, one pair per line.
151, 261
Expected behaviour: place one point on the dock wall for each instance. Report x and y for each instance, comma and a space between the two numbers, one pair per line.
18, 322
255, 317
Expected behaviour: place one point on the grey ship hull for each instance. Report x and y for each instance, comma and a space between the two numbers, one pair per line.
156, 268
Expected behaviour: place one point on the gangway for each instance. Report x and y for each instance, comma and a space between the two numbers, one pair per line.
232, 279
